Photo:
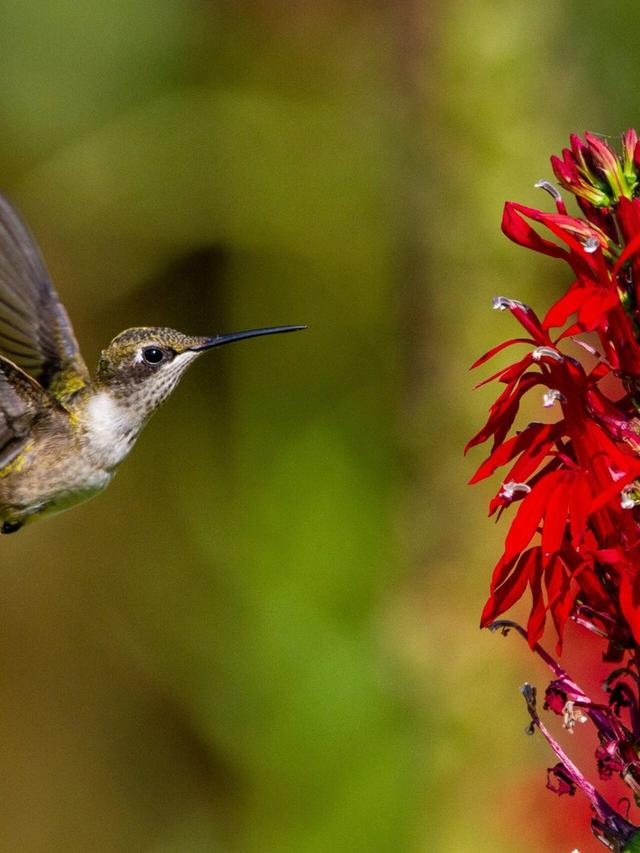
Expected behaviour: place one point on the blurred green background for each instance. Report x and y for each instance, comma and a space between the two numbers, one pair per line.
263, 637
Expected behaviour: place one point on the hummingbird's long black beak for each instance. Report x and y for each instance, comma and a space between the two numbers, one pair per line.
219, 340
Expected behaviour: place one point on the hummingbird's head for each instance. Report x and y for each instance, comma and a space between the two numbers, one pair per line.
142, 366
145, 364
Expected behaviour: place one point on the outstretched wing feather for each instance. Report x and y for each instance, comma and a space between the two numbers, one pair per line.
35, 331
21, 399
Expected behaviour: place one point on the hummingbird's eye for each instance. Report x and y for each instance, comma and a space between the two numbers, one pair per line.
153, 355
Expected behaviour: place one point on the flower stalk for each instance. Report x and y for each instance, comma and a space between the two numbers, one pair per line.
572, 479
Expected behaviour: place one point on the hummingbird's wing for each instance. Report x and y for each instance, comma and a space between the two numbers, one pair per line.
21, 399
35, 331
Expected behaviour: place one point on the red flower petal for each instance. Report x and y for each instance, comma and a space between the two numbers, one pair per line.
504, 412
528, 439
505, 594
567, 305
537, 451
555, 517
579, 500
529, 514
516, 229
560, 596
537, 616
495, 350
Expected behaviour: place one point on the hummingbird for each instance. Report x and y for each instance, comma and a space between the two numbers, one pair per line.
63, 432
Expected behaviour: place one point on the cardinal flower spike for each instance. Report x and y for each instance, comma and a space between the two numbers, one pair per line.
571, 481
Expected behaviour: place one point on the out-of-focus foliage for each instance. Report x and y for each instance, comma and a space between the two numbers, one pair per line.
263, 636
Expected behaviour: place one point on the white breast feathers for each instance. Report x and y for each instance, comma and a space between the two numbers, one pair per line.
110, 429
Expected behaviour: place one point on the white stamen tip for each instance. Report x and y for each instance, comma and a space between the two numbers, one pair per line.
590, 245
503, 303
510, 489
552, 396
548, 187
539, 353
572, 715
627, 500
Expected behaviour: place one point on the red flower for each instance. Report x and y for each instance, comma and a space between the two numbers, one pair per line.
574, 538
